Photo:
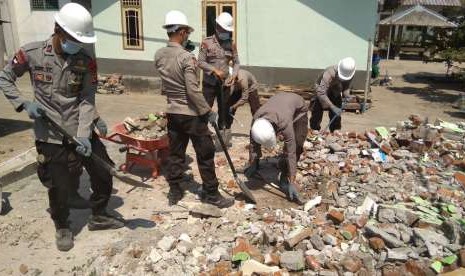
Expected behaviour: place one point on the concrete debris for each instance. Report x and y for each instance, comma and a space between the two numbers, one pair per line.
206, 210
384, 202
292, 260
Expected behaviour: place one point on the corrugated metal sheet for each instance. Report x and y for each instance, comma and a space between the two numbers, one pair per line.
448, 3
418, 16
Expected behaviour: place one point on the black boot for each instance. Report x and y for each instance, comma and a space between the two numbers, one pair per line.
76, 201
175, 194
64, 239
104, 221
217, 199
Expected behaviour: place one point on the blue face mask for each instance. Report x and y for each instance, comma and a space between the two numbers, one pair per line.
70, 47
224, 36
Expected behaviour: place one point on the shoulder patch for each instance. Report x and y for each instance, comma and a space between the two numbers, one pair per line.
20, 58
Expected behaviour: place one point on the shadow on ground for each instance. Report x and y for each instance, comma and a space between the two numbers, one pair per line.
428, 94
9, 126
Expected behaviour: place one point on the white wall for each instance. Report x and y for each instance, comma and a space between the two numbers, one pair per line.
28, 25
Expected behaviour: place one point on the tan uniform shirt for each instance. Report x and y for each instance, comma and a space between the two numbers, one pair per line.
282, 110
329, 84
247, 83
177, 68
213, 54
64, 88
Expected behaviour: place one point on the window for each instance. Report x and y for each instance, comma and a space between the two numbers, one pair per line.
42, 5
213, 8
131, 14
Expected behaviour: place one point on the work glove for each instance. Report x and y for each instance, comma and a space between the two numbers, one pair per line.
84, 148
252, 169
336, 110
33, 109
293, 194
212, 117
101, 127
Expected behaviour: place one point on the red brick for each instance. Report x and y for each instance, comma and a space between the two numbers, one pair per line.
351, 230
242, 245
336, 216
414, 268
386, 147
376, 244
272, 259
460, 177
312, 263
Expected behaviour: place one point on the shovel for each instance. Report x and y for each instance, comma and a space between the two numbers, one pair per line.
108, 167
239, 182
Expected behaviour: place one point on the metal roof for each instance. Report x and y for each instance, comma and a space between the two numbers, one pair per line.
418, 16
448, 3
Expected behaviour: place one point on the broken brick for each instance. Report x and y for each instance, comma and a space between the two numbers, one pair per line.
414, 268
336, 217
312, 263
272, 259
376, 244
460, 177
349, 232
351, 264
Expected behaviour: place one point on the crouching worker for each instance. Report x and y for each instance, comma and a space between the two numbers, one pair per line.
285, 116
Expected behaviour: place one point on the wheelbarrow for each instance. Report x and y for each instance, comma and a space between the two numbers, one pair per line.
148, 153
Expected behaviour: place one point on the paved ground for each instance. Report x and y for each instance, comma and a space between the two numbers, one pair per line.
26, 232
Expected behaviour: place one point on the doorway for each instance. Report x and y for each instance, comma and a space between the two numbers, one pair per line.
213, 8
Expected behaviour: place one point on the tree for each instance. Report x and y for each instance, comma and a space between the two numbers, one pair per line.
449, 44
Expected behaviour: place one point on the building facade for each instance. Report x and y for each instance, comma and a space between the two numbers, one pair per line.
280, 41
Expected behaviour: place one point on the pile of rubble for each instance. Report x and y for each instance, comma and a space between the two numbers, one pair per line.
386, 202
149, 127
112, 84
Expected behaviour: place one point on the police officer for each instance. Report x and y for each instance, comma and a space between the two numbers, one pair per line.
188, 113
283, 116
214, 56
244, 90
64, 79
330, 87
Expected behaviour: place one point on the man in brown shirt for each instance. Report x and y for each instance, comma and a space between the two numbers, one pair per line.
330, 87
243, 90
214, 56
188, 113
283, 115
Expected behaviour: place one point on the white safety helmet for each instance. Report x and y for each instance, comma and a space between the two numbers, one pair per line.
77, 22
174, 19
346, 68
225, 20
263, 133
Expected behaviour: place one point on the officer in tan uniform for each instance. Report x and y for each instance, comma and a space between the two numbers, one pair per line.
214, 56
331, 86
244, 90
64, 80
188, 113
285, 116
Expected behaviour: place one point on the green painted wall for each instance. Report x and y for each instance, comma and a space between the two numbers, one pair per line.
271, 33
305, 33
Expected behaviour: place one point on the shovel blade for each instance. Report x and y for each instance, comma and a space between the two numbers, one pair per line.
245, 190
